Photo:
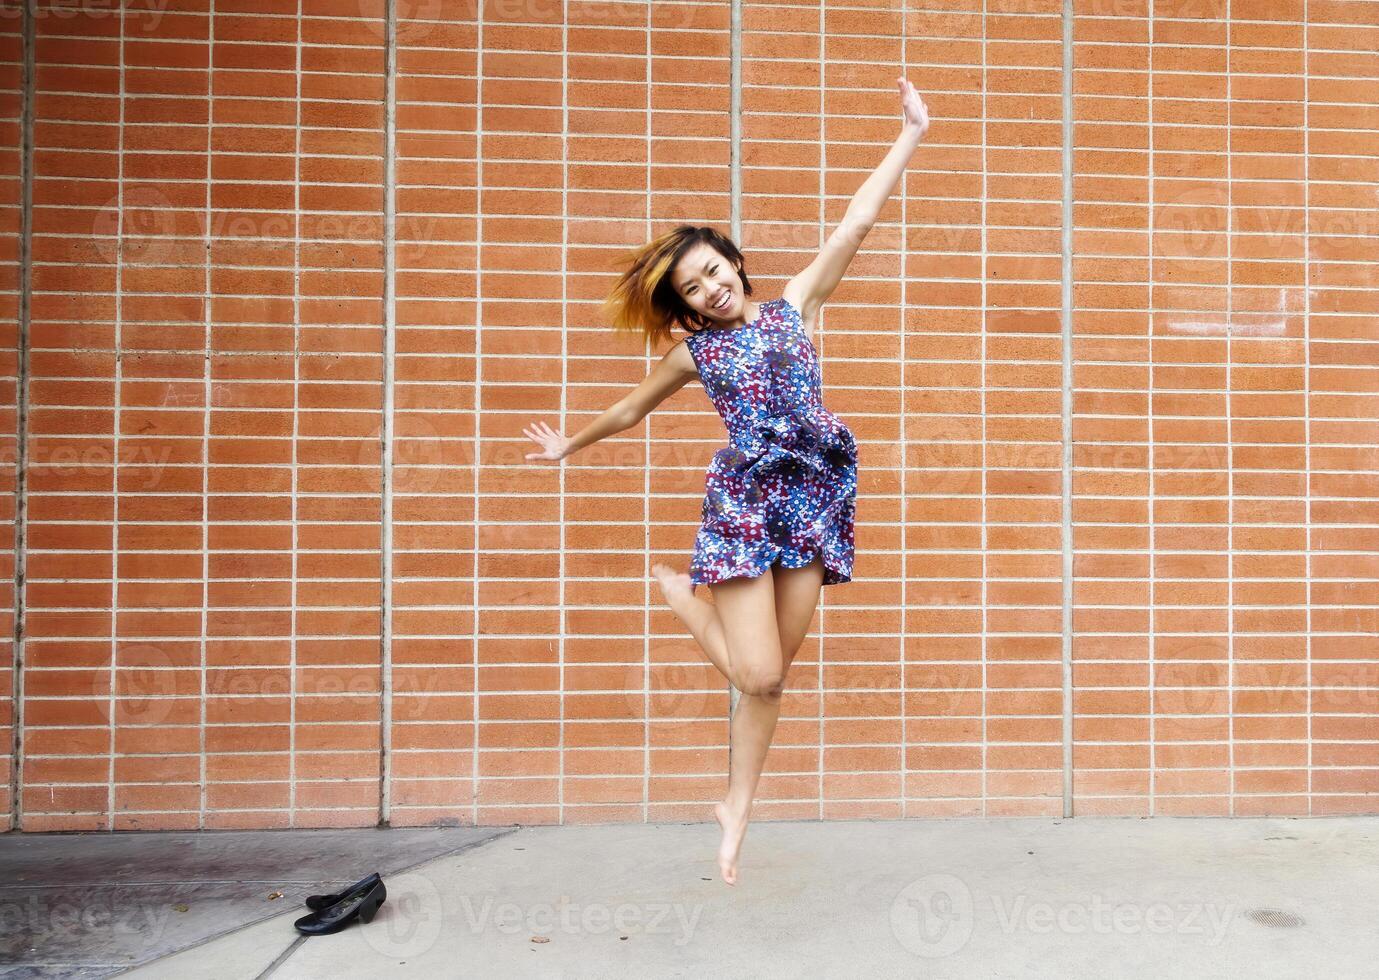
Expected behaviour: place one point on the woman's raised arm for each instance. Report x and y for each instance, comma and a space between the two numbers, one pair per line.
818, 280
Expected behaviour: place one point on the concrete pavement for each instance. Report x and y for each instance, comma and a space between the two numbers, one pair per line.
1089, 897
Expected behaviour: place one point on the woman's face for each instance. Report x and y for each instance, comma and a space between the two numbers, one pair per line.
709, 285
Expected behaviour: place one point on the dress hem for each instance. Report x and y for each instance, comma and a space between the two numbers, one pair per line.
832, 574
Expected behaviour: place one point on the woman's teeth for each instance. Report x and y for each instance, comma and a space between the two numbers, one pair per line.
723, 302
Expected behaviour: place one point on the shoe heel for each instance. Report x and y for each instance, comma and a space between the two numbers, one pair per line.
370, 909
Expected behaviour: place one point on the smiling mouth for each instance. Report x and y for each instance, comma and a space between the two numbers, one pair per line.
722, 304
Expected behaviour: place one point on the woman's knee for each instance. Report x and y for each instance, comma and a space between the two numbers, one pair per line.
763, 682
760, 669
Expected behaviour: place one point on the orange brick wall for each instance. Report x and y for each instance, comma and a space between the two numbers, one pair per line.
295, 291
1224, 410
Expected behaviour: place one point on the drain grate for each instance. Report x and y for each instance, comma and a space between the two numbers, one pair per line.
1275, 918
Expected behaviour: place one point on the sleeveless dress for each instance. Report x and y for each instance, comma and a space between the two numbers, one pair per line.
784, 489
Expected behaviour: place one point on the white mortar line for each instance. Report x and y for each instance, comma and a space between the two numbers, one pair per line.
21, 474
1307, 369
385, 436
296, 427
1153, 449
207, 324
115, 448
564, 402
646, 481
1067, 454
478, 395
904, 450
982, 320
1230, 438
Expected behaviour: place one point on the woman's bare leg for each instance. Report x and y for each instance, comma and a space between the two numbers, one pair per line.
746, 607
700, 616
769, 616
753, 726
795, 597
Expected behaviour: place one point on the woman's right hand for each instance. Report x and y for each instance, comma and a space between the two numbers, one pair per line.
912, 107
553, 444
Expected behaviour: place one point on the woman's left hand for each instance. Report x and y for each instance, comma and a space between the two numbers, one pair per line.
916, 112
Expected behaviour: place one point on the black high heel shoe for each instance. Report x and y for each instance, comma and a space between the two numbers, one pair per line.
321, 901
360, 902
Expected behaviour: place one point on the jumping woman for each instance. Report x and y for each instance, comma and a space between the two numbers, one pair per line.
777, 519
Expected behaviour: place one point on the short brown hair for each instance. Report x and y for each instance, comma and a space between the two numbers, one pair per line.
645, 302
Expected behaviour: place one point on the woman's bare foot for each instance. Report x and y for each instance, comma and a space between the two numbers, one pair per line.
734, 826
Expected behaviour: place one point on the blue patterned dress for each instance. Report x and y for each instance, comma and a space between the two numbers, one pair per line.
784, 490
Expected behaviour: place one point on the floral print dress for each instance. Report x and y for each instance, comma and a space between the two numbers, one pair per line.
784, 489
